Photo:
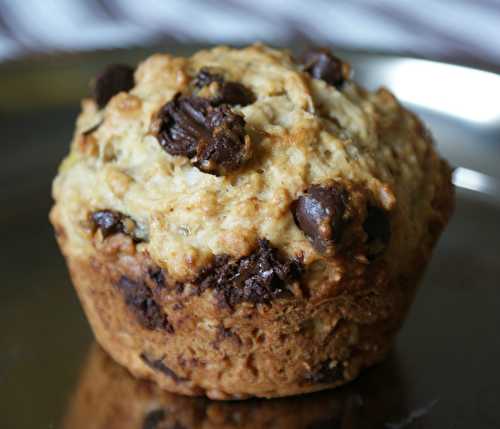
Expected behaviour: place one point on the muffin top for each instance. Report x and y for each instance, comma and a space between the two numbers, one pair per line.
233, 152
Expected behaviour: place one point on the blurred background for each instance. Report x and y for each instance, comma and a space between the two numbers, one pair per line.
465, 31
51, 49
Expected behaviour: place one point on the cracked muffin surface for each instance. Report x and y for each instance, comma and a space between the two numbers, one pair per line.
245, 223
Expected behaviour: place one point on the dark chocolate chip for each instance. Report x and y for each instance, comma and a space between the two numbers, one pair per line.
257, 278
223, 333
158, 276
320, 63
113, 79
229, 92
140, 300
113, 222
227, 149
212, 137
179, 288
320, 213
326, 373
377, 225
233, 93
226, 334
183, 124
205, 77
153, 419
108, 221
158, 365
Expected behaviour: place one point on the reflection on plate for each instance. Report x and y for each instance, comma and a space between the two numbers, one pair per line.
108, 397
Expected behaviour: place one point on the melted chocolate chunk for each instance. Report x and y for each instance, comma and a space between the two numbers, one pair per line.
183, 124
229, 92
212, 137
153, 419
112, 80
158, 365
233, 93
140, 300
377, 225
320, 63
108, 221
226, 150
326, 373
258, 278
320, 213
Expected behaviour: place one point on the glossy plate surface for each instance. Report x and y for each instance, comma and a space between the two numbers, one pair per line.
444, 370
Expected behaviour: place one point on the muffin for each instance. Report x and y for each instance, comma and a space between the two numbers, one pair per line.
245, 223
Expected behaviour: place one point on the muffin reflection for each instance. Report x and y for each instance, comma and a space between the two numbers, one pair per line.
108, 397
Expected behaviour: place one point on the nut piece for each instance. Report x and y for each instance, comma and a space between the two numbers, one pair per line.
112, 80
212, 137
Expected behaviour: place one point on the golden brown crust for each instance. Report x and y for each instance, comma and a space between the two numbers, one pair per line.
210, 282
286, 347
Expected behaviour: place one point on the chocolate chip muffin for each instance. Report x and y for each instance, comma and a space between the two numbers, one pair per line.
246, 223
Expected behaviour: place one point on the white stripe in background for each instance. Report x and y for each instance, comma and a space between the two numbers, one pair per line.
311, 20
200, 20
63, 24
16, 28
9, 47
360, 28
344, 24
470, 23
454, 26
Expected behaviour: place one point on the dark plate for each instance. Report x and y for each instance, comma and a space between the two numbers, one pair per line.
444, 370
